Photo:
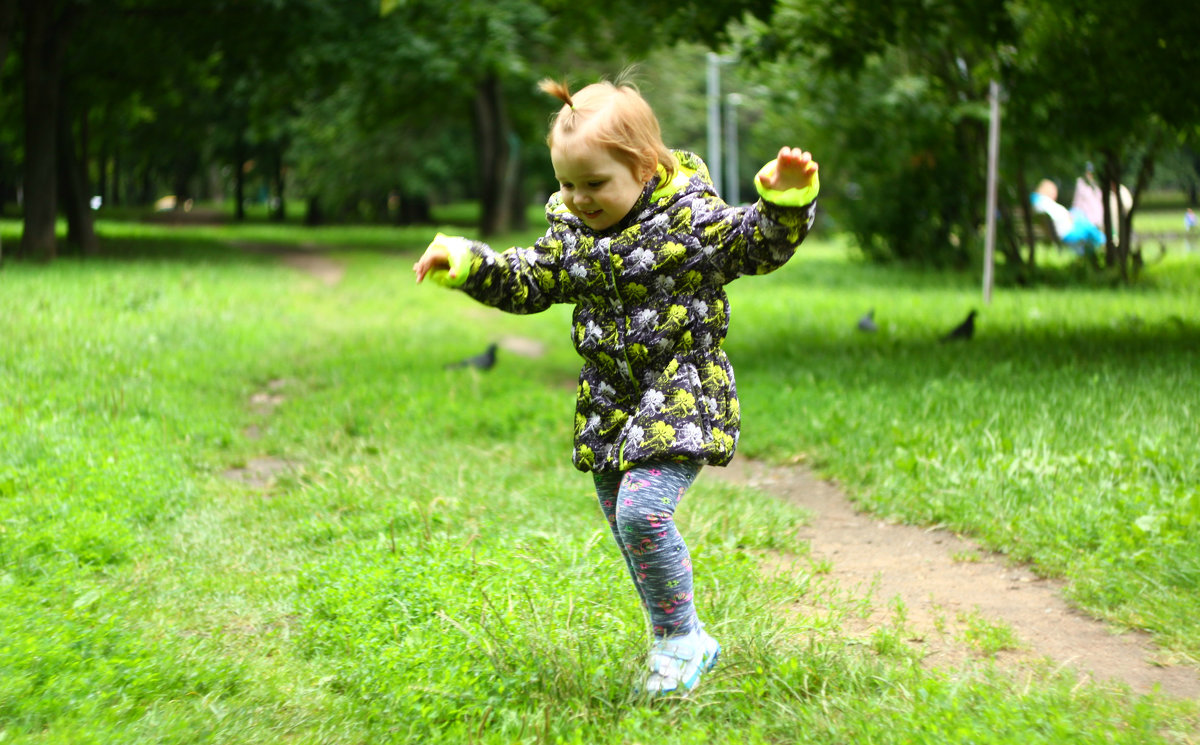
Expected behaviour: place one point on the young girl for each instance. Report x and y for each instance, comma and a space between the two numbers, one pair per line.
642, 246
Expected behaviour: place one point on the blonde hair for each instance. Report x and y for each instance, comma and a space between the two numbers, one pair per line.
615, 116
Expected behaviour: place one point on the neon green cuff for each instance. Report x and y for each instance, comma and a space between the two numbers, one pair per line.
787, 197
458, 252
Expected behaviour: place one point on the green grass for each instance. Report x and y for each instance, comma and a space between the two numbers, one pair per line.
427, 567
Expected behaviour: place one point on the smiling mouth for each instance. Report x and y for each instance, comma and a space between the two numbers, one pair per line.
591, 215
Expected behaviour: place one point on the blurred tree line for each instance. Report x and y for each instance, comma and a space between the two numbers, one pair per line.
368, 111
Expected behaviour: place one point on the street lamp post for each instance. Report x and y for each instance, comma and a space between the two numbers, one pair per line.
714, 118
733, 193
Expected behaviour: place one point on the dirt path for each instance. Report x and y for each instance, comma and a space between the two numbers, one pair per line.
942, 593
307, 259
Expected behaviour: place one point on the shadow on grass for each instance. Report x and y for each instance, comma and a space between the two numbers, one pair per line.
210, 237
1058, 270
225, 246
1131, 351
189, 250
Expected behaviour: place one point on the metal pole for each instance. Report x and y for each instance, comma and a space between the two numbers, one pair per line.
989, 241
733, 194
714, 119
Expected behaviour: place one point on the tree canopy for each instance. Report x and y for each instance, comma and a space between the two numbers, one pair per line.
376, 110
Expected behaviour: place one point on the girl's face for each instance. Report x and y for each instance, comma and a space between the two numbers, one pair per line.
595, 186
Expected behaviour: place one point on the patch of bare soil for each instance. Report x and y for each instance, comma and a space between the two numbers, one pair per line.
197, 216
947, 584
265, 401
261, 472
312, 263
323, 268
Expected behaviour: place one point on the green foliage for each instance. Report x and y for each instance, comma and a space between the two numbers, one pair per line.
918, 73
912, 196
892, 99
1133, 42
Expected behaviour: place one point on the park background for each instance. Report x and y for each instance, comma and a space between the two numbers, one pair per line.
242, 504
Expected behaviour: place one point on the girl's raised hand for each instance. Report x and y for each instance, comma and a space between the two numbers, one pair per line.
794, 169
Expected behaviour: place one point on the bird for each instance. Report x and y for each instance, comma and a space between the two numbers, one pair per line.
485, 360
964, 330
867, 322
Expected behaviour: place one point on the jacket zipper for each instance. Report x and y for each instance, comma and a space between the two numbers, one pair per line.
623, 322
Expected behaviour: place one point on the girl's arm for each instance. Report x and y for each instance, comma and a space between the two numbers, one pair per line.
519, 280
763, 237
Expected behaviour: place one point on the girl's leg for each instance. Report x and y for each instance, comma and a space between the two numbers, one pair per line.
608, 485
653, 548
640, 508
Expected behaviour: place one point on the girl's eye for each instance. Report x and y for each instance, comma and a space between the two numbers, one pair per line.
595, 184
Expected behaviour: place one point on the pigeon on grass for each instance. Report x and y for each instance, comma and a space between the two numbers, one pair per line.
964, 330
867, 322
483, 361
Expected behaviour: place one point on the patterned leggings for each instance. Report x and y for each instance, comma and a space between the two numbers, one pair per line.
640, 507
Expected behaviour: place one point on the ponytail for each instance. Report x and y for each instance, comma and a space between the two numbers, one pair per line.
616, 116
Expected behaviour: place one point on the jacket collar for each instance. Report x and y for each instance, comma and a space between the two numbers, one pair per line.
687, 166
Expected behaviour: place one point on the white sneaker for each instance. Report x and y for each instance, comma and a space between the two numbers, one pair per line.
678, 662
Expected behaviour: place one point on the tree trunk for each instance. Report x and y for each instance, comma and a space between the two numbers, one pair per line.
491, 137
413, 209
143, 196
73, 184
1115, 254
1023, 192
145, 188
519, 214
102, 161
184, 168
8, 21
103, 158
239, 178
313, 214
115, 186
1193, 192
1145, 173
279, 210
43, 68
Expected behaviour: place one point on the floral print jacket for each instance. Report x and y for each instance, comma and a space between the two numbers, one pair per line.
651, 311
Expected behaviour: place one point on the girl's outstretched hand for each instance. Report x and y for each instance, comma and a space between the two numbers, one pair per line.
434, 258
794, 169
